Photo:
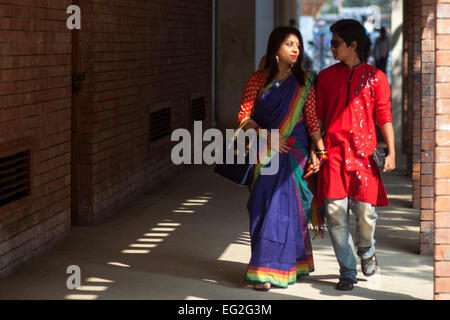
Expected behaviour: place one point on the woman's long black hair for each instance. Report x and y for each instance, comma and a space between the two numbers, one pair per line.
276, 38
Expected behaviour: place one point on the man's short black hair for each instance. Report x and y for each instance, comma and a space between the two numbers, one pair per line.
351, 30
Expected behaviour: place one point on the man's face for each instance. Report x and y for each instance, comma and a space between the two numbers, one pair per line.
340, 50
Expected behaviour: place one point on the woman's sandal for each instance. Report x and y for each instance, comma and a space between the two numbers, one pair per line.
262, 286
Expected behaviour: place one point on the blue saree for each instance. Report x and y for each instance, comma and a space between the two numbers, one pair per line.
280, 205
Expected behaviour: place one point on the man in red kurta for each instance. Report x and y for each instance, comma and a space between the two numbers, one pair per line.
350, 96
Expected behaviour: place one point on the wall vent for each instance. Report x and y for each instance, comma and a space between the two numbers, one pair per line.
159, 124
15, 176
198, 109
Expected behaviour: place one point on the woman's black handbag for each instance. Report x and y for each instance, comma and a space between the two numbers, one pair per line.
239, 173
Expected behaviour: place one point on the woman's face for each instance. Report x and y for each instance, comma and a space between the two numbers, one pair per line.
289, 50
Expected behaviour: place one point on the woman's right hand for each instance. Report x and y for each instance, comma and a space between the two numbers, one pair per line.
283, 146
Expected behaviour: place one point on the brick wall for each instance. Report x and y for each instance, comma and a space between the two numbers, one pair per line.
138, 56
442, 171
420, 112
35, 102
427, 114
416, 68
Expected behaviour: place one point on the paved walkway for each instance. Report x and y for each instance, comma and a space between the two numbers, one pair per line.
189, 240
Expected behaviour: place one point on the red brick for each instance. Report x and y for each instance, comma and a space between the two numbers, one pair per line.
442, 252
428, 67
443, 90
443, 74
443, 106
427, 191
443, 26
443, 58
443, 10
442, 187
427, 33
443, 122
442, 154
428, 56
426, 215
427, 145
442, 236
442, 219
426, 203
426, 226
427, 156
442, 203
442, 269
426, 238
428, 45
428, 134
425, 168
427, 180
443, 138
441, 285
442, 42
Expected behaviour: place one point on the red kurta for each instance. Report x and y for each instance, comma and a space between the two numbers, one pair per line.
348, 100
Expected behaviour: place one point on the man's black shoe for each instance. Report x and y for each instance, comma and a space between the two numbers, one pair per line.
369, 266
345, 284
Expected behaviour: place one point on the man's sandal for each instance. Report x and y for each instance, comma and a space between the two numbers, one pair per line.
345, 284
369, 266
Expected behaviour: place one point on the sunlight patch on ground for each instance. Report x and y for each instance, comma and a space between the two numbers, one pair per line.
81, 297
156, 234
162, 229
132, 251
236, 253
118, 264
92, 288
101, 280
210, 280
194, 298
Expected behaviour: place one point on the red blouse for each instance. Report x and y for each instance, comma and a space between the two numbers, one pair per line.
348, 102
255, 82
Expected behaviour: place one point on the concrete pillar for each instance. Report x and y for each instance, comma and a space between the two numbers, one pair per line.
286, 10
264, 24
235, 53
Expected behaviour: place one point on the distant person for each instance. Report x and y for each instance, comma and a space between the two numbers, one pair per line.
292, 23
381, 50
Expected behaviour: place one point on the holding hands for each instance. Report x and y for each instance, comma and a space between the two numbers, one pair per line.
316, 159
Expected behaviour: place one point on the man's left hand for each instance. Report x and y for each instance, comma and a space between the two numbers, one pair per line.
389, 163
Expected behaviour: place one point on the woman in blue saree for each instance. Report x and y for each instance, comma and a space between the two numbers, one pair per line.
282, 96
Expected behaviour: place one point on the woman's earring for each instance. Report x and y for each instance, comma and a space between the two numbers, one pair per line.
278, 59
